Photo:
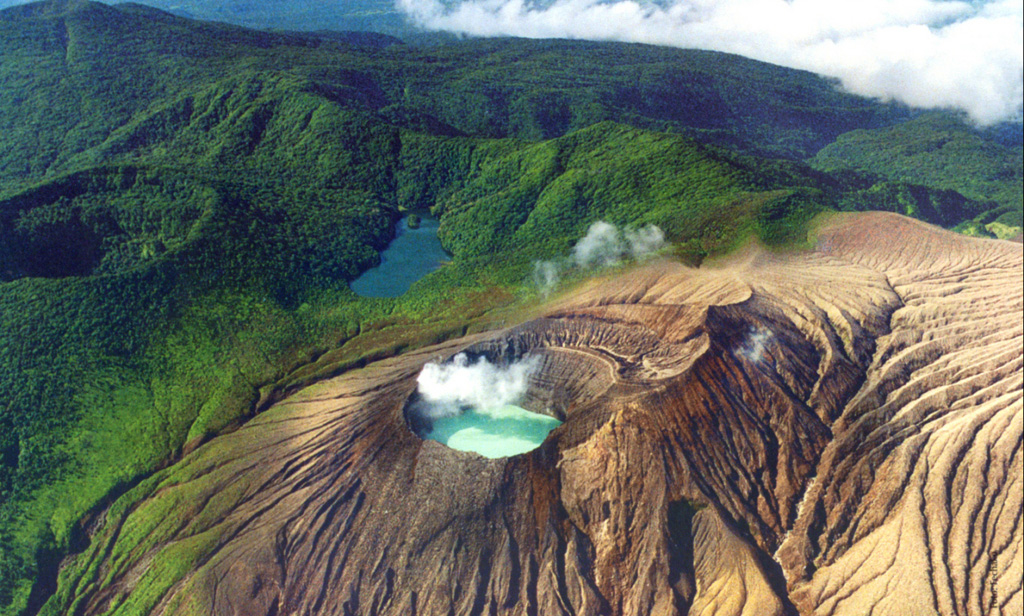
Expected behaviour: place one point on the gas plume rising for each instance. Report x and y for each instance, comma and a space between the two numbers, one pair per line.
448, 389
754, 345
603, 245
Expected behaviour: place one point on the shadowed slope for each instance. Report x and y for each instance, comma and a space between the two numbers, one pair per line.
859, 406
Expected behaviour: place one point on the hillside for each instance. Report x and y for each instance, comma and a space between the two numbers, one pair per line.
354, 15
936, 150
504, 88
183, 205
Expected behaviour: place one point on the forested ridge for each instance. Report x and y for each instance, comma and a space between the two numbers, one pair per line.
183, 204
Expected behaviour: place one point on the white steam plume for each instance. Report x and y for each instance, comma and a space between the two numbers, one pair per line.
600, 247
446, 389
925, 53
546, 275
644, 241
755, 344
603, 245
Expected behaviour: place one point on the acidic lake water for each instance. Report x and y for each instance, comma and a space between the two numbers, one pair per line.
494, 433
413, 254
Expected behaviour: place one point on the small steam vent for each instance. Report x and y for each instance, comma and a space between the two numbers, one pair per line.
471, 403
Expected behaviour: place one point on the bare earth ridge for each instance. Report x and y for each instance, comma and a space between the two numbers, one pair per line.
832, 432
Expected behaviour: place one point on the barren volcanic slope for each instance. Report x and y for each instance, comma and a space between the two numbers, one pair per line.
832, 432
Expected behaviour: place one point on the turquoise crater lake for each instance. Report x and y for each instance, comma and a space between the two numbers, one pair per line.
413, 254
497, 432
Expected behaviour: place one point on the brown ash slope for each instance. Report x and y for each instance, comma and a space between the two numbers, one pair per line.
831, 432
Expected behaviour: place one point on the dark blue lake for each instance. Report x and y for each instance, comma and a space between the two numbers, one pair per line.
413, 254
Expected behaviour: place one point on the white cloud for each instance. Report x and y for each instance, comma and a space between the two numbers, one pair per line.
926, 53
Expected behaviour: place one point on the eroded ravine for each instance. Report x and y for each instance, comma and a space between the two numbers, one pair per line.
854, 411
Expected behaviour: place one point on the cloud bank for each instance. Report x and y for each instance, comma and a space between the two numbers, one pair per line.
925, 53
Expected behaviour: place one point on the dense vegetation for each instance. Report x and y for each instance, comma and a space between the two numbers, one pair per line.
182, 205
937, 150
337, 15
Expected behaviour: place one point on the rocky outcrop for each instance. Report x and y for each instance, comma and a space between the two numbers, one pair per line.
831, 432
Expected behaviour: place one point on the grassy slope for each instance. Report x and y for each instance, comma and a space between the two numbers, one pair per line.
178, 219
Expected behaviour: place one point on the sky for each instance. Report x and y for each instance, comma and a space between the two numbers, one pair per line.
926, 53
957, 54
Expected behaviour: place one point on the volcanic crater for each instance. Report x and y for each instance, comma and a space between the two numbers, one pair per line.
835, 431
